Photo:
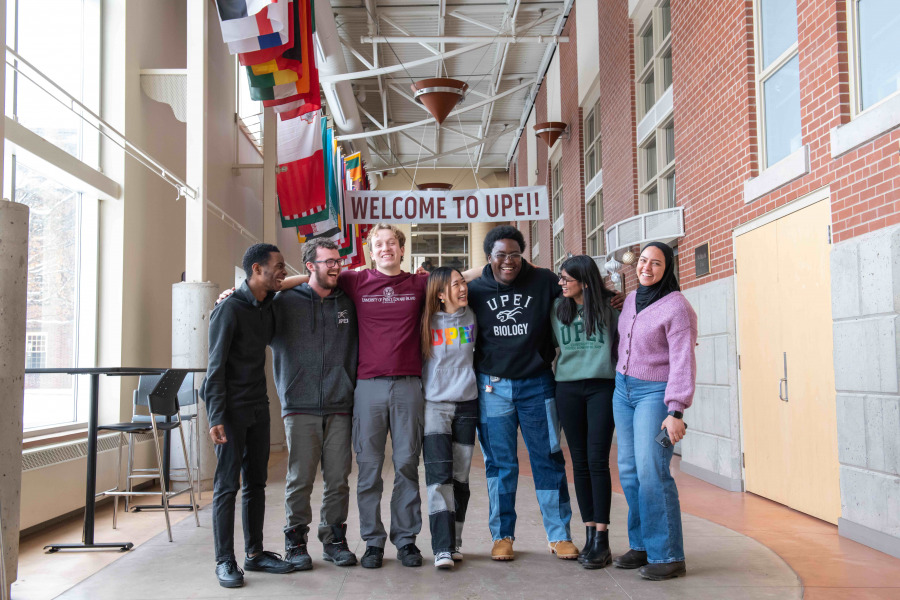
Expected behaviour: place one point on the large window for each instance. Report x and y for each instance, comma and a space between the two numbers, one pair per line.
62, 41
439, 245
876, 50
54, 273
556, 204
653, 55
656, 166
593, 161
593, 219
777, 79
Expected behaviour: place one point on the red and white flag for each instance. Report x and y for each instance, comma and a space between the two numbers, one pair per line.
300, 180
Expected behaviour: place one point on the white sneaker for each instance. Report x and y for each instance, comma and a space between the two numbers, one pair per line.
443, 560
456, 555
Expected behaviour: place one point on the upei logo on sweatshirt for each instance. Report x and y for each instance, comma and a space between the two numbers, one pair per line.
509, 308
389, 296
451, 335
343, 317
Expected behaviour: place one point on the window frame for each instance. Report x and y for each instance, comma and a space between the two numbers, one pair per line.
659, 182
557, 212
651, 71
764, 74
598, 230
440, 254
88, 201
853, 62
594, 144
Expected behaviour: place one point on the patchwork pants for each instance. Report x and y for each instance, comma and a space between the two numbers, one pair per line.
449, 442
531, 405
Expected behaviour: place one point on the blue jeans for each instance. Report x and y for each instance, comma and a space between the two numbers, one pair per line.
531, 405
654, 513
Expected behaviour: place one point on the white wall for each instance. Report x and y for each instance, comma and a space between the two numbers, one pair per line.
554, 99
587, 40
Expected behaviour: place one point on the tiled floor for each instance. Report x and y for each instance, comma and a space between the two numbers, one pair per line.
737, 545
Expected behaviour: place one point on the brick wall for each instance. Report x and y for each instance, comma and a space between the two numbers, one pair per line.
572, 148
716, 129
618, 124
545, 228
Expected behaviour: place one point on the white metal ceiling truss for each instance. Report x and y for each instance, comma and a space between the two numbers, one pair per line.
492, 45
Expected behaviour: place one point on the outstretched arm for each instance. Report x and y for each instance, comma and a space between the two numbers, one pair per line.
471, 274
293, 281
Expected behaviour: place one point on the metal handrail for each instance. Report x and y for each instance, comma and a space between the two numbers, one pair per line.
101, 126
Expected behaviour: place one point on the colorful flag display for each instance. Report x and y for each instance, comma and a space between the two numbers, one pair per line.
274, 41
249, 25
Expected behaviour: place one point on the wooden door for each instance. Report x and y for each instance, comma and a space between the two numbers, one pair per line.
787, 369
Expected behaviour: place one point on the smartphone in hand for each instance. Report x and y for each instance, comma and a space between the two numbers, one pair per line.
663, 438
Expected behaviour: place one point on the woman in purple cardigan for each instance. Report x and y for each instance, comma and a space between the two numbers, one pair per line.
654, 385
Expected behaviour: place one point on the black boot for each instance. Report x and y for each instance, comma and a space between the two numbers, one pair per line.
589, 532
336, 550
632, 559
599, 555
295, 549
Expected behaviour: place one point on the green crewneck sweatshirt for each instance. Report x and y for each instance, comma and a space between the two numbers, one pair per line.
583, 357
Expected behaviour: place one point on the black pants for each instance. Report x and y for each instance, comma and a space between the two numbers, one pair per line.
586, 414
246, 453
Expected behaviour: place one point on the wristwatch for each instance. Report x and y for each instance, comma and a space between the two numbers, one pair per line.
676, 413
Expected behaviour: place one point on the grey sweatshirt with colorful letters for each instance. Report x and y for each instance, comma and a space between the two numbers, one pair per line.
449, 375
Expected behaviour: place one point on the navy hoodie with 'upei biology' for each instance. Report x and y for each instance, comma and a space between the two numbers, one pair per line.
515, 340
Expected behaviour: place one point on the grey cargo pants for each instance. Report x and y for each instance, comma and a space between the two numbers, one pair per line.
382, 405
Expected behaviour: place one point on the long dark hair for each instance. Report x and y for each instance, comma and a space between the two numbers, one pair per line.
438, 281
597, 310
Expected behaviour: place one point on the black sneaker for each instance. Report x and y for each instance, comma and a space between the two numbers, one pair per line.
230, 576
409, 556
269, 562
373, 557
299, 557
339, 553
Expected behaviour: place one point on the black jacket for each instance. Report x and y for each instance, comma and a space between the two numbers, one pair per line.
515, 340
315, 351
240, 328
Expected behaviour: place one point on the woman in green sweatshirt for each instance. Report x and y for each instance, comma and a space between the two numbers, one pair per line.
584, 324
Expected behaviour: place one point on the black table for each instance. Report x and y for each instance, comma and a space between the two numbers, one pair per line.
91, 476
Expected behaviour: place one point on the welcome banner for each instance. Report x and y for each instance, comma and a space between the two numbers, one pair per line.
453, 206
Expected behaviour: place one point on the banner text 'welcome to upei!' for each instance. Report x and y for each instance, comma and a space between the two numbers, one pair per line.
454, 206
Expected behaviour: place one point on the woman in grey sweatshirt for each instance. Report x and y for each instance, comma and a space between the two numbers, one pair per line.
451, 409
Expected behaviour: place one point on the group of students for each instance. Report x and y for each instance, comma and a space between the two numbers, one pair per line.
434, 360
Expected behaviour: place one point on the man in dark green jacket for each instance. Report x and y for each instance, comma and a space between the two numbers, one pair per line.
315, 353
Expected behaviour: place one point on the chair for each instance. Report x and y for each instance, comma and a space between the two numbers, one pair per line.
163, 404
188, 402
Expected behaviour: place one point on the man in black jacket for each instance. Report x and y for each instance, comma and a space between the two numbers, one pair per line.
240, 328
315, 351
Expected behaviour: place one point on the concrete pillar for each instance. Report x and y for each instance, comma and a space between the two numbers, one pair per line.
13, 285
191, 305
477, 231
271, 224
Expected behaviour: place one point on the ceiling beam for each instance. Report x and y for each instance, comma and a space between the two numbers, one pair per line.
456, 150
401, 67
512, 90
464, 39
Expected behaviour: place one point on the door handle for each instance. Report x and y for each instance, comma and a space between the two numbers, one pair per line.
783, 383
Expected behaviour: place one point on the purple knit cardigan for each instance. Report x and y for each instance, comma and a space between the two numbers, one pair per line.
658, 345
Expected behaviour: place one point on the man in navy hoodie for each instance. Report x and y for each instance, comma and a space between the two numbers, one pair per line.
240, 328
514, 352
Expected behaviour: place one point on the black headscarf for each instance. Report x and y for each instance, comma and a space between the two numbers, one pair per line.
648, 294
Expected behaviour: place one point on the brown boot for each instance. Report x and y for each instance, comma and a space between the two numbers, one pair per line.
503, 550
564, 549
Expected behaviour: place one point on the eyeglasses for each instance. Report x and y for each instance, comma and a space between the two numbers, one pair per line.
330, 263
565, 279
502, 256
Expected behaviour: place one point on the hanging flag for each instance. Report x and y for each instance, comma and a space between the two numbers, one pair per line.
292, 48
353, 164
295, 108
300, 180
269, 80
249, 25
